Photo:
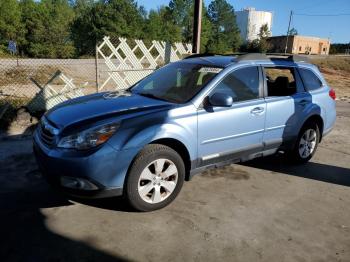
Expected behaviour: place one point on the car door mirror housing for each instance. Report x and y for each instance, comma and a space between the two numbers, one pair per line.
221, 100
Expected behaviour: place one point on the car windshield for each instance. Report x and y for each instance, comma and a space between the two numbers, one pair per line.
177, 82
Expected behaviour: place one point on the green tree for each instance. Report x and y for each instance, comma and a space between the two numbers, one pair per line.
122, 18
338, 48
154, 23
11, 27
83, 35
160, 26
261, 44
225, 36
117, 18
47, 25
293, 31
182, 12
264, 32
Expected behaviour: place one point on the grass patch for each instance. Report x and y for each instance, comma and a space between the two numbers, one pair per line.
336, 70
15, 102
333, 63
22, 74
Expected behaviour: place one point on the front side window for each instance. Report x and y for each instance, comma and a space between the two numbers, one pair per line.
177, 82
242, 84
310, 80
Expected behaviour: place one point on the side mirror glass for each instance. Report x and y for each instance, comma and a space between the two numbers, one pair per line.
221, 100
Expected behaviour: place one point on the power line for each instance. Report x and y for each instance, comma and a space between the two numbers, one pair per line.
342, 14
313, 5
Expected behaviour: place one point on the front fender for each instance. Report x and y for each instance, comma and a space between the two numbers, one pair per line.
179, 123
172, 131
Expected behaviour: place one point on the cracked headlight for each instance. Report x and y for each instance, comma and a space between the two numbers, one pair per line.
89, 138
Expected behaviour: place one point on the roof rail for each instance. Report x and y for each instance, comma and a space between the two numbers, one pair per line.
272, 56
291, 57
199, 55
257, 56
212, 54
252, 56
299, 58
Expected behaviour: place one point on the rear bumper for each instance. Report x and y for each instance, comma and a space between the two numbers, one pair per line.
104, 167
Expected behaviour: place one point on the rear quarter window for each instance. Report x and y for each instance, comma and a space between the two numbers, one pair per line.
310, 79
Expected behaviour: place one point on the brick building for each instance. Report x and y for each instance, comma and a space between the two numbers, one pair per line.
298, 44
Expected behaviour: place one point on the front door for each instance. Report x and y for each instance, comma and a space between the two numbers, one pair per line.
228, 132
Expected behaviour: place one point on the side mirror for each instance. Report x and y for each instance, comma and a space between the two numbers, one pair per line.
221, 99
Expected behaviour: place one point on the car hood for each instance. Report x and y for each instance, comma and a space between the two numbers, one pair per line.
100, 106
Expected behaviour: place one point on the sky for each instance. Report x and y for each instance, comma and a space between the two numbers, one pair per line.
335, 27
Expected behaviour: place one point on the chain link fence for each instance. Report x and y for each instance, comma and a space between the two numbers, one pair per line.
115, 63
23, 79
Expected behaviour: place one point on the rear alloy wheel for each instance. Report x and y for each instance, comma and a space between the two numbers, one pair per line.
155, 178
306, 144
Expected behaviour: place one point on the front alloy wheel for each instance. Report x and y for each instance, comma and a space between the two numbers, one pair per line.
158, 181
155, 178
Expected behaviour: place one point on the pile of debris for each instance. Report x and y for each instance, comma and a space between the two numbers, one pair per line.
16, 122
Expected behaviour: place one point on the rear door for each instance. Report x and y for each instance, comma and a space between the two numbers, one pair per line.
285, 99
319, 91
228, 132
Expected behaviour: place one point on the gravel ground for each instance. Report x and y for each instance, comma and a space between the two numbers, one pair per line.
263, 210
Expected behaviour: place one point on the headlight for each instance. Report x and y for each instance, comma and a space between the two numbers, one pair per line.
89, 138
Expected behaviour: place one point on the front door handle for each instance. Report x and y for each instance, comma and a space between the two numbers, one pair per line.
303, 102
257, 110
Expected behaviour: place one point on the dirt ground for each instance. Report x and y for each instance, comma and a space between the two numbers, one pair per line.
340, 81
264, 210
336, 70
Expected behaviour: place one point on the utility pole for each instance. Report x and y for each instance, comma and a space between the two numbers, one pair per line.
197, 22
290, 19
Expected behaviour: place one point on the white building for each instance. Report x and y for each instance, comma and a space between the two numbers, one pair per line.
249, 22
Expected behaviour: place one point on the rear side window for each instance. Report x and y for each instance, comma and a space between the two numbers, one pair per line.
280, 81
242, 84
311, 81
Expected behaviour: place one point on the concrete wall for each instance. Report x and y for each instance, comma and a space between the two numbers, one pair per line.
249, 22
311, 45
300, 45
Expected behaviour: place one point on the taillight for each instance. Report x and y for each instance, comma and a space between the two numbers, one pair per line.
332, 94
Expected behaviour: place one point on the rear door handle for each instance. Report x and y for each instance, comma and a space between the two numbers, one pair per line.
257, 110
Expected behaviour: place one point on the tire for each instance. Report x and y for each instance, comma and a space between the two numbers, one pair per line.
306, 143
155, 178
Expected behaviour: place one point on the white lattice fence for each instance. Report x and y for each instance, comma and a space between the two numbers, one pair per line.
126, 63
51, 95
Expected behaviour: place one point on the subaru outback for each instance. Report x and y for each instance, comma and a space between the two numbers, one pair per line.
188, 116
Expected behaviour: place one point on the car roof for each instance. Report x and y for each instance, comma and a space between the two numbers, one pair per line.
217, 60
250, 58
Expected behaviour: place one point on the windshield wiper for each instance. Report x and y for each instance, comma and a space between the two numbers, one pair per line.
152, 96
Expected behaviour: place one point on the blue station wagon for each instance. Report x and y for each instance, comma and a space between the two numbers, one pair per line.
201, 112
